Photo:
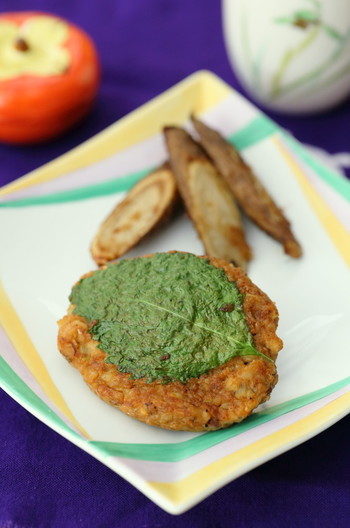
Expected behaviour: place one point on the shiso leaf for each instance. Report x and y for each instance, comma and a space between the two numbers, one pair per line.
160, 318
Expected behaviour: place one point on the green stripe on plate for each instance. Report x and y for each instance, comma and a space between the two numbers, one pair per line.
182, 450
332, 178
173, 452
105, 188
257, 130
20, 392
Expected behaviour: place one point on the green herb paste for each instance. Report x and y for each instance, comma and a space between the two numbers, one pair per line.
170, 317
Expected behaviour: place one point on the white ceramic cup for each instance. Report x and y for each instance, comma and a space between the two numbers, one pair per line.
290, 55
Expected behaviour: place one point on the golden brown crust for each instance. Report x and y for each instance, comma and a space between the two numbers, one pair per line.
224, 395
147, 205
247, 189
208, 199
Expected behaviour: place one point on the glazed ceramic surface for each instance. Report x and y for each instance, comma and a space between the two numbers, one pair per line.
49, 218
292, 56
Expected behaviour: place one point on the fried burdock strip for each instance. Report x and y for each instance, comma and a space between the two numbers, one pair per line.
147, 205
208, 199
250, 194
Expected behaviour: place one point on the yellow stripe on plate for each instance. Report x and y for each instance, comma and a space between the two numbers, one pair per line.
245, 459
31, 358
196, 93
330, 222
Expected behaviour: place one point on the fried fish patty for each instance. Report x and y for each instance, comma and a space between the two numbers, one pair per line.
224, 395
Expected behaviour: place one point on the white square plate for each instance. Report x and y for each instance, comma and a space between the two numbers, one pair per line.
47, 222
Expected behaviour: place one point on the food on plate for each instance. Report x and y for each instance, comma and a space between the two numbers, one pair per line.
208, 199
147, 205
174, 340
250, 194
49, 76
214, 184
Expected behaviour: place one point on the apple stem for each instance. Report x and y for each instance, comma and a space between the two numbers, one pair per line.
21, 44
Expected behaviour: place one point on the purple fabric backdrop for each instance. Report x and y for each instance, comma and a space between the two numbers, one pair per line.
146, 47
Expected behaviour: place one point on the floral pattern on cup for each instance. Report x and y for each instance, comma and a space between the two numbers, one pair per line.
291, 55
311, 23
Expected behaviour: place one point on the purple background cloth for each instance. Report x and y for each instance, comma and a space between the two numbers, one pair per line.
145, 47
